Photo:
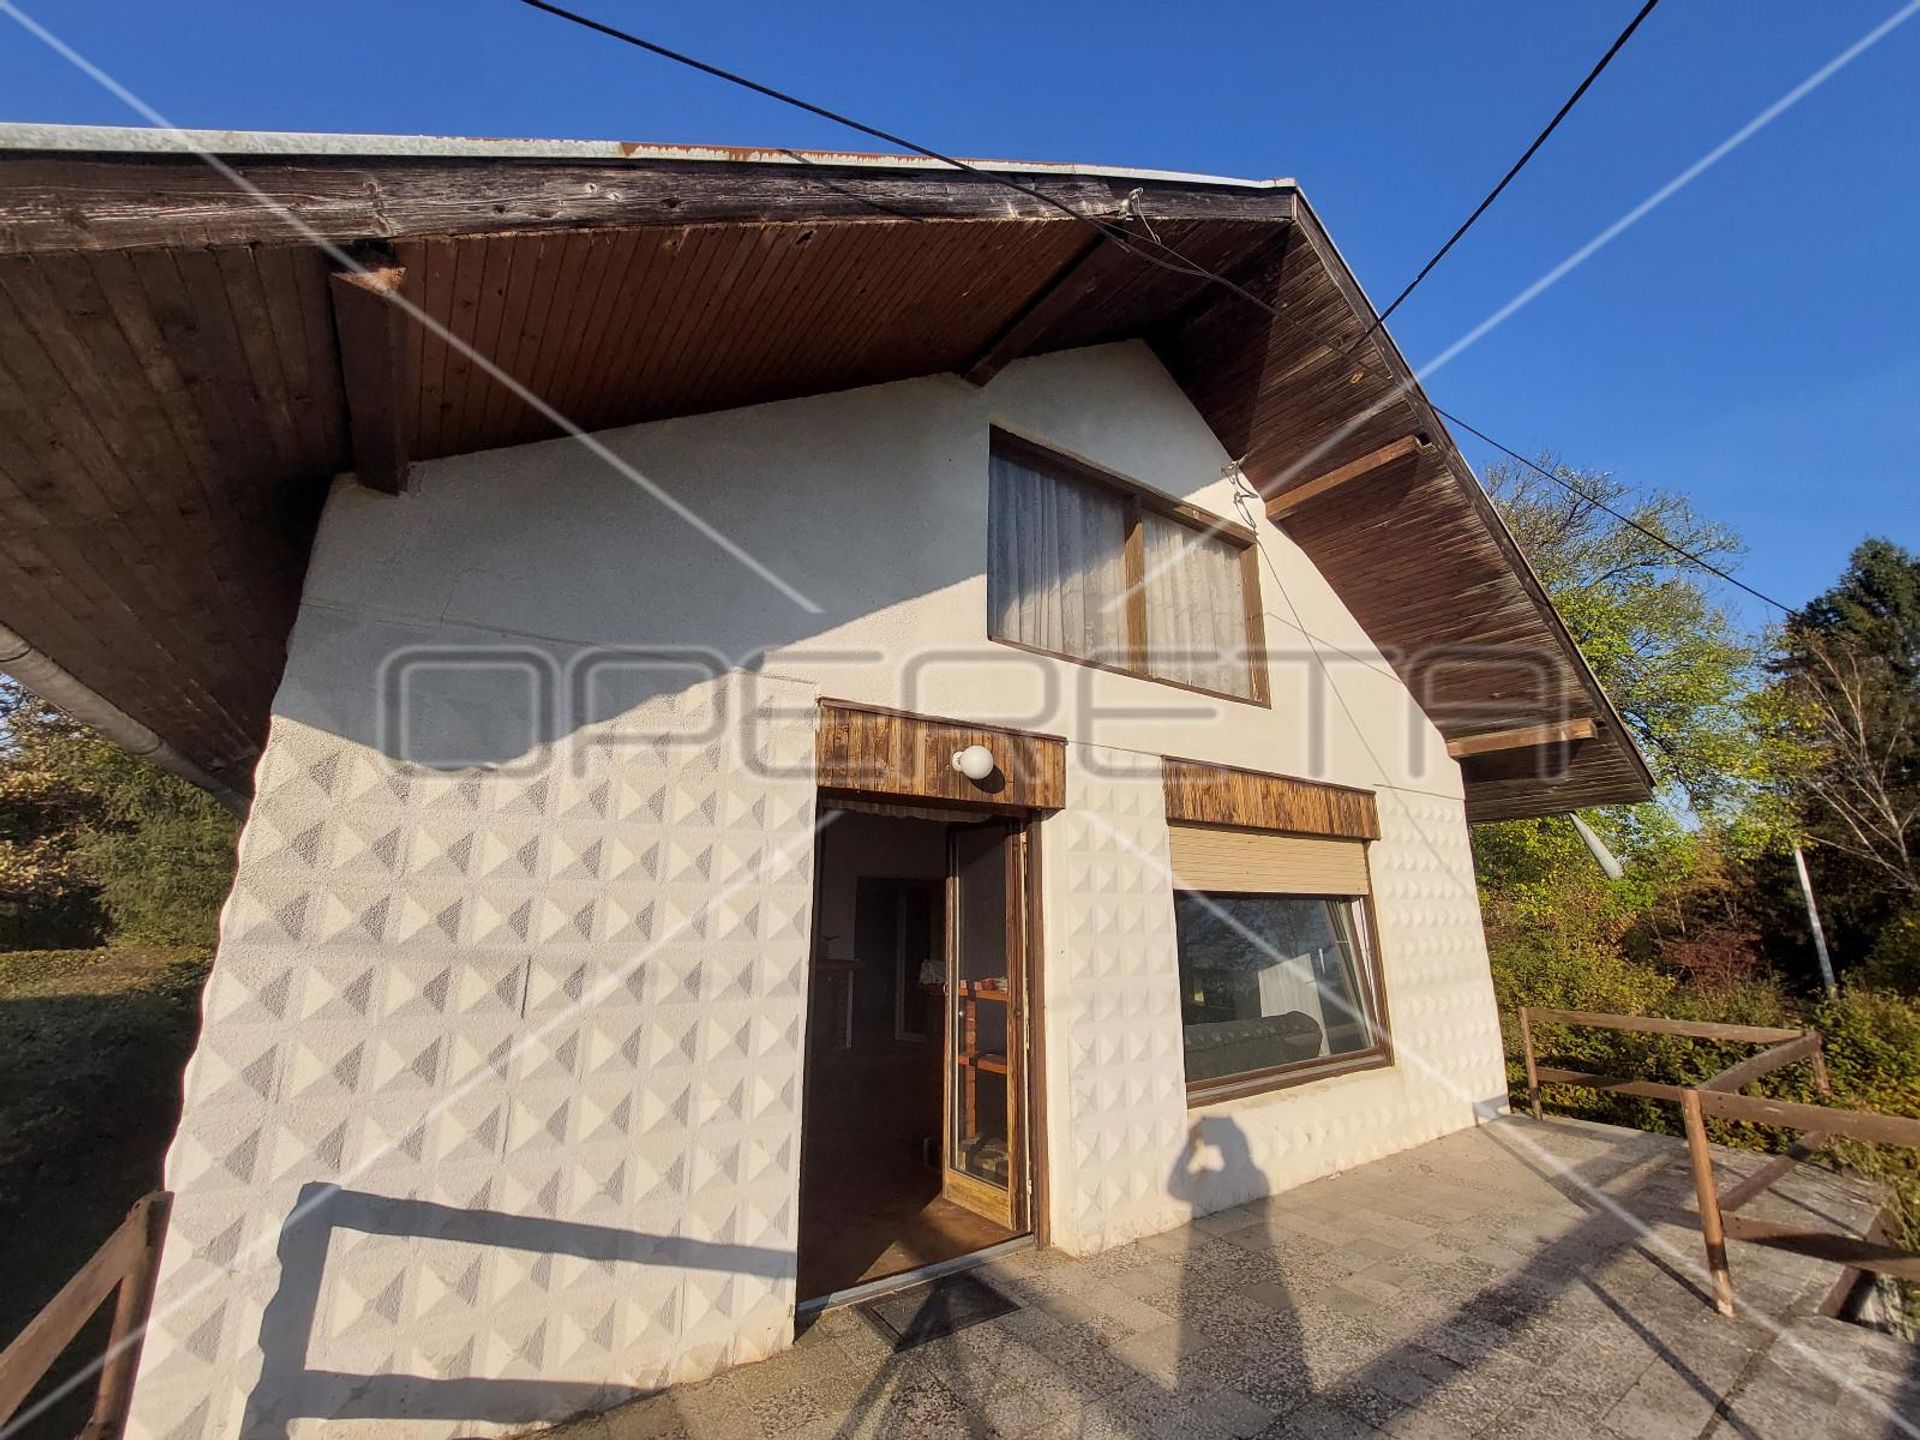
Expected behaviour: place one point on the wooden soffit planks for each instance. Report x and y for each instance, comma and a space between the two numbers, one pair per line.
1402, 533
188, 401
1204, 794
870, 750
589, 280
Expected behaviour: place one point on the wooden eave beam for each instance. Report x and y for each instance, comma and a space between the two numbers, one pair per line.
1071, 285
105, 201
373, 367
1391, 456
1562, 732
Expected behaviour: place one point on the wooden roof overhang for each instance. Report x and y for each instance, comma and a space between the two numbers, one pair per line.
183, 370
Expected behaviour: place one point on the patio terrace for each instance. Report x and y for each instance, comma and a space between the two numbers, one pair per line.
1526, 1278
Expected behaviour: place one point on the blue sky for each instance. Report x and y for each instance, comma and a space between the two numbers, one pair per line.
1754, 342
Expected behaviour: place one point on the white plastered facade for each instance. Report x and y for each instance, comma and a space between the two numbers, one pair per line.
509, 1009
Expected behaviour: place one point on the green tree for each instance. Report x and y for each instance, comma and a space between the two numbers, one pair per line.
1849, 689
1690, 685
1875, 605
98, 844
1685, 677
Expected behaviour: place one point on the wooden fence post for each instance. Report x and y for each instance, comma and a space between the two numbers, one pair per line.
1712, 1230
1819, 1058
1533, 1073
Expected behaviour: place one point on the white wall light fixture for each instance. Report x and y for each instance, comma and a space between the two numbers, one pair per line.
975, 762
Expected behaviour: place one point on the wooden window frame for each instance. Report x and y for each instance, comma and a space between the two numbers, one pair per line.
1140, 501
1378, 1056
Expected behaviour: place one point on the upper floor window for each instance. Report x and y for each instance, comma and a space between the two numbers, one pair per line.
1082, 565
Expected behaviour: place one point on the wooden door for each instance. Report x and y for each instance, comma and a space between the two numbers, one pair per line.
985, 1161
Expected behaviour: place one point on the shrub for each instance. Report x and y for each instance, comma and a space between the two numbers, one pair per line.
1894, 961
1873, 1056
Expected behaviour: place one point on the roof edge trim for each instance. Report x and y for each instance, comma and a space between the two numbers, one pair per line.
153, 140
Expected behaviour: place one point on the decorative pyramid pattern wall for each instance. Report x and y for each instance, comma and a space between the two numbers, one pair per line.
544, 1029
1126, 1156
1440, 986
1116, 1077
1446, 1034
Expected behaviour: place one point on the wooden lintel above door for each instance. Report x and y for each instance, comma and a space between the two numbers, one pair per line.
875, 751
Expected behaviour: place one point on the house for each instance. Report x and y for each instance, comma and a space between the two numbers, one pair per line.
802, 717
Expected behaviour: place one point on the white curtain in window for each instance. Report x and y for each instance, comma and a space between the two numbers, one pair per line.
1056, 573
1196, 610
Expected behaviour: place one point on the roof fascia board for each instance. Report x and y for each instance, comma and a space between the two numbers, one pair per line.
62, 200
145, 140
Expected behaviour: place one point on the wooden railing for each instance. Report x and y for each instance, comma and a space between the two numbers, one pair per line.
1718, 1096
127, 1263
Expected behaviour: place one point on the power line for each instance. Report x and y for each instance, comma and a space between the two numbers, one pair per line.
1494, 194
1124, 239
1600, 504
1171, 258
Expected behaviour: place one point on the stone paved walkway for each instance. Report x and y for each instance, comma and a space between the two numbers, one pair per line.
1470, 1287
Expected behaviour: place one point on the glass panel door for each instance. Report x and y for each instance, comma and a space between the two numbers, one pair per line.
985, 1024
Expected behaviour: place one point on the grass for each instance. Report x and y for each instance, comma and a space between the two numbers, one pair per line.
92, 1046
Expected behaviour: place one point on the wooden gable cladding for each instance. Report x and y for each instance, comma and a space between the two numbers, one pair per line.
874, 751
1202, 794
1413, 547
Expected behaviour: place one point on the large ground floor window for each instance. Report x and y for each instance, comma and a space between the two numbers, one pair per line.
1276, 986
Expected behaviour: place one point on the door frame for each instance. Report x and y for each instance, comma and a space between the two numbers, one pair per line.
1037, 1231
967, 1191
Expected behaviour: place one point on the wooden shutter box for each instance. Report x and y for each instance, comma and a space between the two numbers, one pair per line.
1230, 861
1205, 794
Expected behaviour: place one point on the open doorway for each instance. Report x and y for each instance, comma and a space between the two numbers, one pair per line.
915, 1114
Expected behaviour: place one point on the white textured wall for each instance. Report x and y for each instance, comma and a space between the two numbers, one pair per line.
1441, 1015
572, 997
1126, 1157
1116, 1086
552, 999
